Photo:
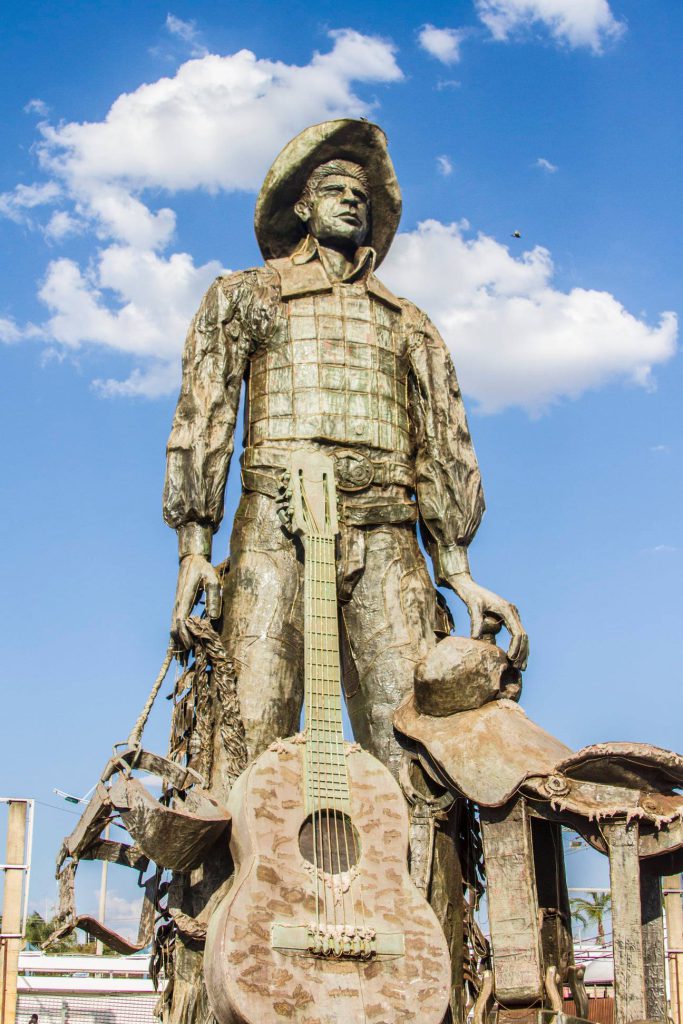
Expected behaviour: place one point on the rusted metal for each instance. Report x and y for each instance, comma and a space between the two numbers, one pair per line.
487, 753
335, 362
627, 938
652, 926
512, 905
174, 837
249, 979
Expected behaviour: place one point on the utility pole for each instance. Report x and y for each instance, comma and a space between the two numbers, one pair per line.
674, 940
99, 948
70, 798
14, 867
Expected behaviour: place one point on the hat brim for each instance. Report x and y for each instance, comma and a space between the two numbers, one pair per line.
486, 753
279, 230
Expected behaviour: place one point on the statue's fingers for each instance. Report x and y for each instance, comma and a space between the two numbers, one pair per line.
519, 648
524, 655
477, 616
213, 600
514, 626
183, 634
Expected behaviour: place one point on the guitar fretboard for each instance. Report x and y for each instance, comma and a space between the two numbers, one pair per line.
327, 780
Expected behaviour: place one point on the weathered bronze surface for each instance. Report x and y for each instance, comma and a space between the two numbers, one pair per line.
333, 360
333, 363
253, 954
486, 753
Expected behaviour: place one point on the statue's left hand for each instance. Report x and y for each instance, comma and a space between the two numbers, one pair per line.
481, 602
194, 575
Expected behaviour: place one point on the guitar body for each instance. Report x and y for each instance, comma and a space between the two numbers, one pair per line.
260, 966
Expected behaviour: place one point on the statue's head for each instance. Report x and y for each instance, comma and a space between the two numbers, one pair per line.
322, 184
335, 204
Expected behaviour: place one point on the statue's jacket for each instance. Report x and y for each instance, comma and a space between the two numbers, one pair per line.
342, 365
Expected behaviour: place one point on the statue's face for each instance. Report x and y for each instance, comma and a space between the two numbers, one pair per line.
338, 211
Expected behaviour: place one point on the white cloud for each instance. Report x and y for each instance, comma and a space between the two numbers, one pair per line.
575, 23
61, 224
444, 166
14, 204
123, 915
517, 340
130, 300
442, 43
11, 332
217, 122
661, 449
37, 106
214, 125
546, 165
187, 31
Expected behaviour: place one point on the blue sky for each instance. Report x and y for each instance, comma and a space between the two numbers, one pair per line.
136, 136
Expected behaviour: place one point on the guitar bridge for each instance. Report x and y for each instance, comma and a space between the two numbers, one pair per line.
338, 942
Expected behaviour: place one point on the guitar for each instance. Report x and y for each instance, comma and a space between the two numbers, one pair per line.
323, 924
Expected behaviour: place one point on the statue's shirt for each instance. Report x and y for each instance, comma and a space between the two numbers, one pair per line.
341, 363
335, 368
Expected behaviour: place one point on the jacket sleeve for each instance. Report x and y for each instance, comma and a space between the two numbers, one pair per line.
201, 442
448, 482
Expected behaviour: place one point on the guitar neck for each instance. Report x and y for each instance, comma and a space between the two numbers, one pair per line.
324, 731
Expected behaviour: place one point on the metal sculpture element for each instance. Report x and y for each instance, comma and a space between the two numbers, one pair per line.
338, 369
334, 362
322, 917
622, 797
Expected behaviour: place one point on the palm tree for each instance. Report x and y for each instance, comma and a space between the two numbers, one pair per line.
593, 910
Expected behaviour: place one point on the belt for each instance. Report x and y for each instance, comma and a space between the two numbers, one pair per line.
354, 471
387, 509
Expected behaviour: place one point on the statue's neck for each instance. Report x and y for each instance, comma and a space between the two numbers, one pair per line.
338, 263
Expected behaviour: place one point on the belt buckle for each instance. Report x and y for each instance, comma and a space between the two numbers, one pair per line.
353, 470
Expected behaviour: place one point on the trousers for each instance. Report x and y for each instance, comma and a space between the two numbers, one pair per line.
389, 619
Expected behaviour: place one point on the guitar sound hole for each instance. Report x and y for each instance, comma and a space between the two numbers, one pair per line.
329, 834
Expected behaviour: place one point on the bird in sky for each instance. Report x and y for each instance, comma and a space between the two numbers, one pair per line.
516, 234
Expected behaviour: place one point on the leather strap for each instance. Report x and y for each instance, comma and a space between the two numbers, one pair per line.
385, 510
397, 469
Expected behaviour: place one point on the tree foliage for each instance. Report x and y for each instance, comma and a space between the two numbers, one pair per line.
593, 910
38, 930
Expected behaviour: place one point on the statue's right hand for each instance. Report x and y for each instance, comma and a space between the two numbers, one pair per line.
195, 574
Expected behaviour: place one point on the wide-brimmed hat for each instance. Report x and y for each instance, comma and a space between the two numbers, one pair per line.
460, 674
478, 739
279, 230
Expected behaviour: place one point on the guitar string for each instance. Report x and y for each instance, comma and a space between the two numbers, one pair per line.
311, 738
340, 790
309, 741
354, 841
320, 742
321, 676
333, 740
342, 763
322, 595
339, 761
330, 723
315, 686
339, 769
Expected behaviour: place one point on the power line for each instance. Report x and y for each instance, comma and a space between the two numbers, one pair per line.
54, 807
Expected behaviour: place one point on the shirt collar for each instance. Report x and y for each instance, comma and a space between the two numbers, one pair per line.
363, 266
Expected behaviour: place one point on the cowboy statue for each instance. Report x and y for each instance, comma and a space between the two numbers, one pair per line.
334, 362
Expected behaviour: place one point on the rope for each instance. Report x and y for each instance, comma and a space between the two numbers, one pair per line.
230, 722
137, 730
230, 719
